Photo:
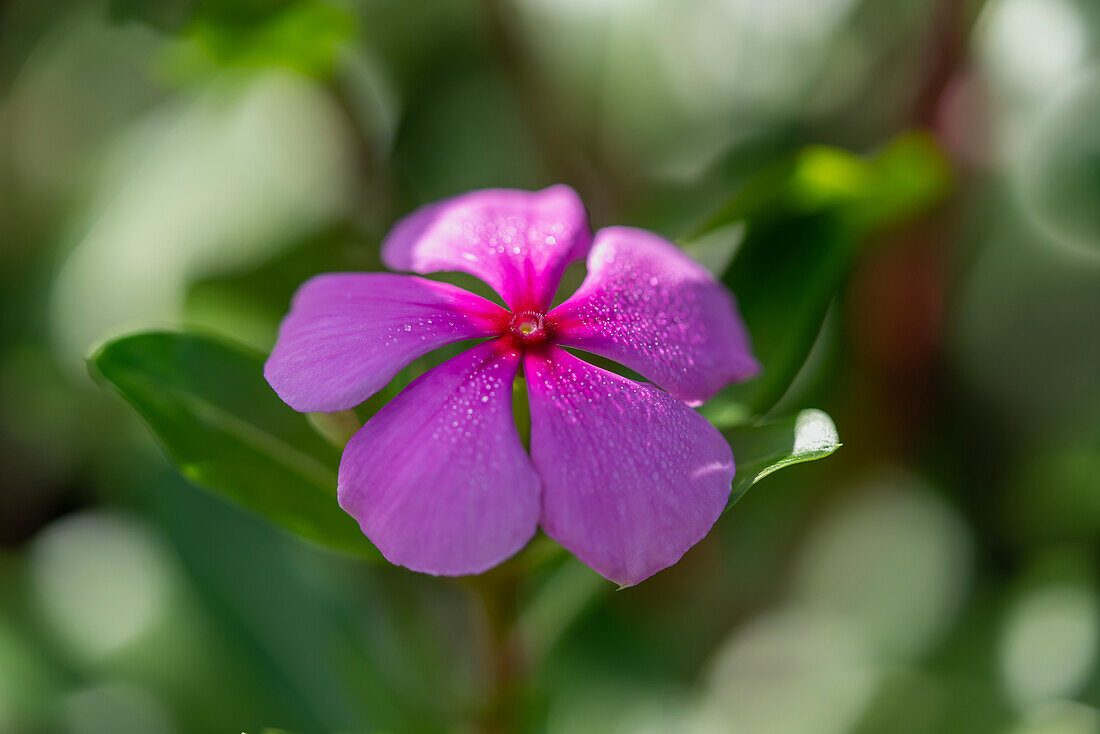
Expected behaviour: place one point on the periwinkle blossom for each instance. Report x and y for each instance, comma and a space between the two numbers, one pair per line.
622, 473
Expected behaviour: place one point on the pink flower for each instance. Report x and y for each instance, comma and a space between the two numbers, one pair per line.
623, 474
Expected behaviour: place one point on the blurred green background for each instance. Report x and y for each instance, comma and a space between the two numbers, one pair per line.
904, 194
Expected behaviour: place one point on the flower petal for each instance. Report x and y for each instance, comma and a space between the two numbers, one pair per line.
648, 306
348, 334
519, 242
438, 479
631, 476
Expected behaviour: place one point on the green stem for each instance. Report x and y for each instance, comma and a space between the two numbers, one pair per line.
521, 410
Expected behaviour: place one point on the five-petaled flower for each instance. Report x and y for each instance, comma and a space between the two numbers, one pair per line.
623, 474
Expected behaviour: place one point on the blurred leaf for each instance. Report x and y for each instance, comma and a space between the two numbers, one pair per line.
762, 449
164, 15
468, 133
904, 178
223, 426
227, 175
1068, 508
174, 15
303, 35
806, 218
247, 305
562, 598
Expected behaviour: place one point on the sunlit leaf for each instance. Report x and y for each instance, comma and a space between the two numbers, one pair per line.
768, 447
222, 425
307, 36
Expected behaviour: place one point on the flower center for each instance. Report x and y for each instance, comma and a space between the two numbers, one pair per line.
529, 328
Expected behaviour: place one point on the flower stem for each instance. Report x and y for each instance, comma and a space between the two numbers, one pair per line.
502, 713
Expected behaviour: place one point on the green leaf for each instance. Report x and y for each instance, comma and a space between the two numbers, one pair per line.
767, 447
164, 15
805, 219
225, 428
308, 36
785, 276
174, 15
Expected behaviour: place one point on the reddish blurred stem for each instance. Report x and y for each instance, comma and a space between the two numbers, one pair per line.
502, 713
947, 52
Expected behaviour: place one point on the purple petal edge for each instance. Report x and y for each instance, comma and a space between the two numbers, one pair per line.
518, 242
648, 306
632, 478
348, 334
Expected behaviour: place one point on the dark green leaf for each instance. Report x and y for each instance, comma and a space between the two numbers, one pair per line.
762, 449
223, 426
176, 15
805, 221
785, 277
164, 15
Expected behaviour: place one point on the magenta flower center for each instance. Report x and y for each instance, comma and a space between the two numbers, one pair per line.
530, 328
